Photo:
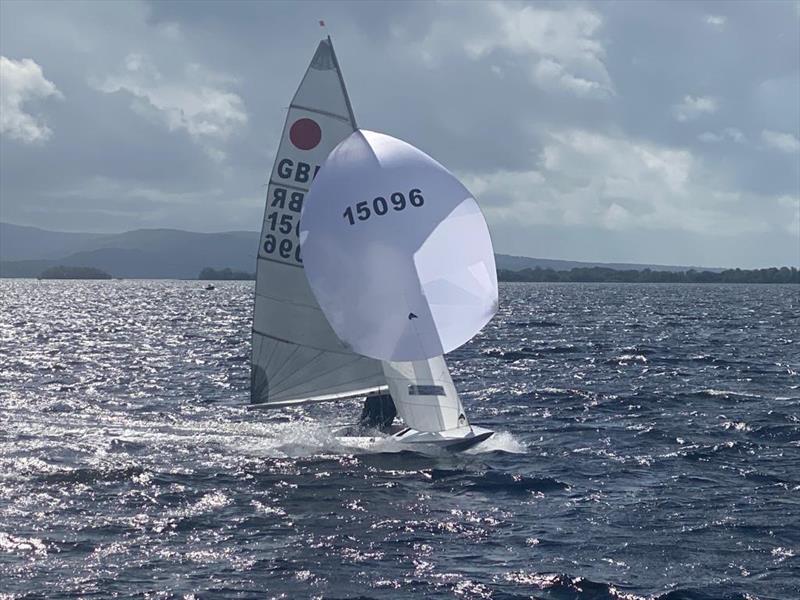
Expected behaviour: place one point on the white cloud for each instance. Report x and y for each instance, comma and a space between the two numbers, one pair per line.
729, 133
550, 75
716, 20
193, 101
785, 142
612, 182
561, 44
692, 107
710, 138
20, 82
109, 189
734, 134
792, 205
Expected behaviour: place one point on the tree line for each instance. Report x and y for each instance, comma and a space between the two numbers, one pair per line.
63, 272
226, 274
603, 274
600, 275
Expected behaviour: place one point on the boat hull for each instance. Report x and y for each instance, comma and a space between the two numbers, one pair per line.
453, 440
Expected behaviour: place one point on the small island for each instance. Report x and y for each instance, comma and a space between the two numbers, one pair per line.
62, 272
226, 274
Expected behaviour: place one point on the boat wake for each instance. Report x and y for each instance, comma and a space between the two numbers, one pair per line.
501, 441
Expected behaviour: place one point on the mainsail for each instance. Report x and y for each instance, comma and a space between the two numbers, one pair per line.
296, 355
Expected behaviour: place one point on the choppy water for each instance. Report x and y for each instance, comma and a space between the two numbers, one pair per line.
648, 446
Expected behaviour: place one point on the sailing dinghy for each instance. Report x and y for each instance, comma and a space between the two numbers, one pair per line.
397, 269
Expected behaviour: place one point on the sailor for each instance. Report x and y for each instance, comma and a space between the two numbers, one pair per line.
378, 412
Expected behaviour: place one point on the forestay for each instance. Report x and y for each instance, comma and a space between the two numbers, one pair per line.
397, 251
296, 355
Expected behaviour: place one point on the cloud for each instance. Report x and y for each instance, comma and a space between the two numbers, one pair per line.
561, 44
692, 107
729, 133
118, 192
716, 20
585, 178
792, 204
503, 93
194, 101
785, 142
550, 75
22, 81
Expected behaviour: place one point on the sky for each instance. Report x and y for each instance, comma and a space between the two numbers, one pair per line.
663, 133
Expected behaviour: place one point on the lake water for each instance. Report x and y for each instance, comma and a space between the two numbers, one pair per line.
648, 445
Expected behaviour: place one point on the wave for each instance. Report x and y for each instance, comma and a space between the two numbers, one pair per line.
534, 324
501, 441
494, 482
719, 394
529, 352
560, 586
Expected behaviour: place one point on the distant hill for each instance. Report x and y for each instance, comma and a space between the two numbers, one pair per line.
173, 253
18, 242
142, 253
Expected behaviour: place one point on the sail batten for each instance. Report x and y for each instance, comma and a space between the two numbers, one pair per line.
320, 112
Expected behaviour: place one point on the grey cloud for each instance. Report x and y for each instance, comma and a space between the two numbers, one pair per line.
448, 78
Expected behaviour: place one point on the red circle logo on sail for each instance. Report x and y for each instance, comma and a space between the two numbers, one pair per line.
305, 134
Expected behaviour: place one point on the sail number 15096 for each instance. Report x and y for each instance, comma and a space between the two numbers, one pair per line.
380, 206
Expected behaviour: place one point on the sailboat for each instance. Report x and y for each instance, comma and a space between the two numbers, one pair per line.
313, 343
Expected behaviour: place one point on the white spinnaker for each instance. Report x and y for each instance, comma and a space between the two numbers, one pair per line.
424, 394
296, 355
397, 251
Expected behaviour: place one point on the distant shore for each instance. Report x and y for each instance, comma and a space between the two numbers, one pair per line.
595, 275
62, 272
774, 275
603, 275
226, 274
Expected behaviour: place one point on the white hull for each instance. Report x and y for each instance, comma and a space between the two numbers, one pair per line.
454, 440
